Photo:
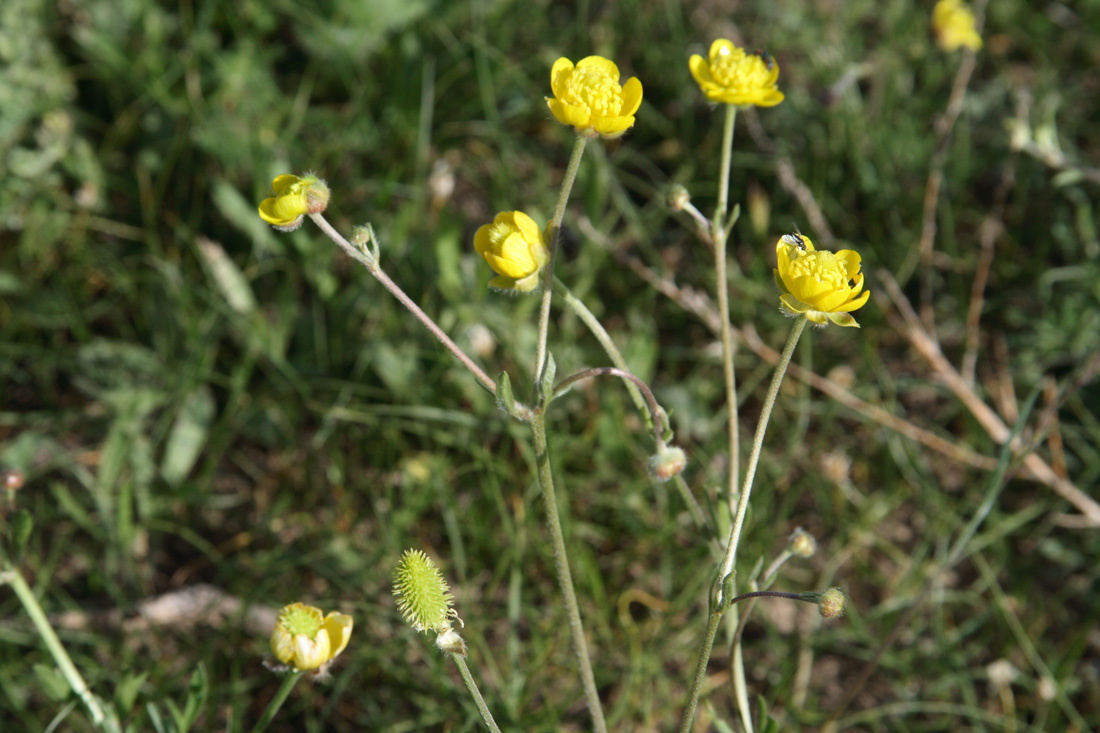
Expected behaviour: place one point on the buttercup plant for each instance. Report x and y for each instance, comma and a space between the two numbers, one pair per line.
818, 286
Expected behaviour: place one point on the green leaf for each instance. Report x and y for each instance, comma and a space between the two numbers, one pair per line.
126, 692
188, 435
506, 401
22, 524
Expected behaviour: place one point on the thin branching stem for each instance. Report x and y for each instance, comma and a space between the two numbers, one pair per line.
379, 274
565, 577
553, 235
720, 230
742, 508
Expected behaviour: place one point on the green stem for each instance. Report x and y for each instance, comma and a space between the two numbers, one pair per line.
720, 234
601, 334
53, 644
700, 672
757, 446
713, 620
552, 236
369, 262
475, 693
739, 519
277, 702
565, 578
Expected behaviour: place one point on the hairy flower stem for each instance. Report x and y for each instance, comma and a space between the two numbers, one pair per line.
376, 271
475, 693
277, 702
64, 663
739, 519
561, 562
720, 230
553, 235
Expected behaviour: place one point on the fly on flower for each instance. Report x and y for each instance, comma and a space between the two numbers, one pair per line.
769, 62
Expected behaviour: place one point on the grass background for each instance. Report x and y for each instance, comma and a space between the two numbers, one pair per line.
195, 398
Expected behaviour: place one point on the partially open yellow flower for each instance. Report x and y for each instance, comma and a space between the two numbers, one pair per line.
305, 639
588, 97
295, 196
732, 76
515, 248
953, 26
820, 284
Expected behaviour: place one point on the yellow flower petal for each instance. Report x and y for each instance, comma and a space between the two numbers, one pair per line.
588, 97
823, 285
515, 247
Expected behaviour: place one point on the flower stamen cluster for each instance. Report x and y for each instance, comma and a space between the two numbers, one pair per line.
304, 638
731, 76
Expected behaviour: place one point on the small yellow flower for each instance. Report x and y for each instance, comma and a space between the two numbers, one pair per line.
953, 26
305, 639
515, 248
588, 97
732, 76
295, 196
820, 284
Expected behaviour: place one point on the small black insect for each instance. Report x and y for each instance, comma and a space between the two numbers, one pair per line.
766, 57
796, 240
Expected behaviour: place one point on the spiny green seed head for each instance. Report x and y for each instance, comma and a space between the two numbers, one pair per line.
423, 596
832, 603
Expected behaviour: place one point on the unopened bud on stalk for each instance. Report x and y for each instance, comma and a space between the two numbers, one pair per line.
832, 603
678, 197
802, 543
667, 462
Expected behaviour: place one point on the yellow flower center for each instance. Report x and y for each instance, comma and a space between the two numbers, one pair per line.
594, 89
737, 70
822, 266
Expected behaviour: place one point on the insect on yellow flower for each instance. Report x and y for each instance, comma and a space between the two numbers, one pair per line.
953, 26
822, 285
732, 76
588, 97
295, 196
305, 639
515, 248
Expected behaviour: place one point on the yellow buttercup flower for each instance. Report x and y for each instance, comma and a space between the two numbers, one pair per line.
305, 639
295, 196
732, 76
515, 248
822, 285
953, 26
588, 97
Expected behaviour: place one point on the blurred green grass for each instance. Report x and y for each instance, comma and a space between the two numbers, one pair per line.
198, 399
